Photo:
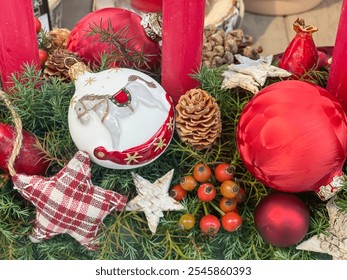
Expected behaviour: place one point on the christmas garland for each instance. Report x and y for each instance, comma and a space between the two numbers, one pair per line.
42, 105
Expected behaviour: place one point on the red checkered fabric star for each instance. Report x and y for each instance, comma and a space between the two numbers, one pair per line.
68, 202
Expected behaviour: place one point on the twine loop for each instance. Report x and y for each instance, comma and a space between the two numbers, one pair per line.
19, 136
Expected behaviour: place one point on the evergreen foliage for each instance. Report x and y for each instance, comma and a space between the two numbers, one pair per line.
43, 107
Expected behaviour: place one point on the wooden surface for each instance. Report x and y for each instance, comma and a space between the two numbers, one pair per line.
275, 33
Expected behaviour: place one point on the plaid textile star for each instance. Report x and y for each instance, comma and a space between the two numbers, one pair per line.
68, 202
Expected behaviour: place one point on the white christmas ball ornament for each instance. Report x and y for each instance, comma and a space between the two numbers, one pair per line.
123, 118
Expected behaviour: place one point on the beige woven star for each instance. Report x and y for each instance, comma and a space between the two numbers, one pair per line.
153, 199
251, 74
334, 242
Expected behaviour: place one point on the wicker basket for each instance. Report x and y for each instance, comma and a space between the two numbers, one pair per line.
279, 7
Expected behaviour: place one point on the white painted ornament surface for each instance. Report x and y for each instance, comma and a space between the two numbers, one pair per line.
122, 117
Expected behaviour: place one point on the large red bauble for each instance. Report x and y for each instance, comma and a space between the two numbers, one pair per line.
282, 219
126, 24
292, 137
30, 160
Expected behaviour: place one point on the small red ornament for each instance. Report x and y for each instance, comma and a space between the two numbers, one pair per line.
282, 219
127, 27
292, 136
38, 25
43, 56
301, 54
30, 160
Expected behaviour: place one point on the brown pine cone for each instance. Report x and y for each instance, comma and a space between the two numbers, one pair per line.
198, 119
220, 47
57, 39
58, 64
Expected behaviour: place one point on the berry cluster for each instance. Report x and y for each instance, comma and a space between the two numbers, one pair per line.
216, 190
43, 55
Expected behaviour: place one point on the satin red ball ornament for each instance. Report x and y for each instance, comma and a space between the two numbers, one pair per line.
30, 160
292, 137
282, 219
126, 24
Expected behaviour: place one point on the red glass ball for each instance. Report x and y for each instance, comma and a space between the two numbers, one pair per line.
126, 26
292, 136
282, 219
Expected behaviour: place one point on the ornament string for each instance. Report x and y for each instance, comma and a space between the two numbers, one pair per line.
19, 136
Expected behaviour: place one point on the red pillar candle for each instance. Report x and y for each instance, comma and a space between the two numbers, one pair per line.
337, 81
183, 29
149, 6
18, 41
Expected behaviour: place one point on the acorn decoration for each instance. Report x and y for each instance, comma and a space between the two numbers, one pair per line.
198, 119
220, 47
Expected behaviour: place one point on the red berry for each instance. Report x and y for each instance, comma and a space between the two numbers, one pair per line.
178, 193
231, 221
206, 192
223, 172
227, 204
229, 189
202, 172
38, 25
43, 55
209, 225
187, 221
188, 183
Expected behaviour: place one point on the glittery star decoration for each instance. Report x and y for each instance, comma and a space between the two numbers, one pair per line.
68, 202
334, 242
250, 74
153, 199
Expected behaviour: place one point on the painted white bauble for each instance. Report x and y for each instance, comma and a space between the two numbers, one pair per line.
121, 117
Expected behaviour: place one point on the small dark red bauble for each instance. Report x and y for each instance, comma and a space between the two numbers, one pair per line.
127, 26
30, 160
282, 219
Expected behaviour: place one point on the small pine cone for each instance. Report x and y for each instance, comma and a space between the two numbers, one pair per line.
58, 64
198, 119
57, 39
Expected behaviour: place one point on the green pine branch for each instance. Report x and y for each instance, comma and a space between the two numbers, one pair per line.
43, 105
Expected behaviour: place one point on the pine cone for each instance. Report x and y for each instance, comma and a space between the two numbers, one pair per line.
220, 47
58, 64
57, 39
198, 119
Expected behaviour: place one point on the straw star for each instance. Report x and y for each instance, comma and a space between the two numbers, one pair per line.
153, 199
334, 242
68, 202
251, 72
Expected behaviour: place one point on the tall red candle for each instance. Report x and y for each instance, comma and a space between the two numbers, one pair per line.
337, 81
149, 6
18, 41
183, 29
